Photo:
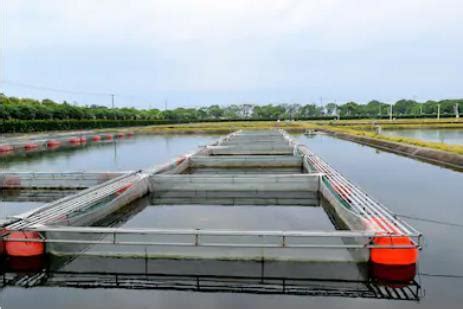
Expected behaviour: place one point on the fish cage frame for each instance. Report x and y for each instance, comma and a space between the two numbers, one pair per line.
365, 217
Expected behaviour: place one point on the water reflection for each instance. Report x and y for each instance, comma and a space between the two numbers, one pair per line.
138, 152
449, 136
264, 277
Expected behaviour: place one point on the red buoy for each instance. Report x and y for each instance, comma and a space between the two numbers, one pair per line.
74, 141
16, 247
130, 134
10, 181
26, 263
120, 135
96, 138
83, 139
2, 243
53, 143
392, 274
6, 148
30, 146
108, 137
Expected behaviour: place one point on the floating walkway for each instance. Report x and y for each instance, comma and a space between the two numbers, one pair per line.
243, 168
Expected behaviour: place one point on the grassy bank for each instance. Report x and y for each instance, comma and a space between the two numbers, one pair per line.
227, 127
451, 123
457, 149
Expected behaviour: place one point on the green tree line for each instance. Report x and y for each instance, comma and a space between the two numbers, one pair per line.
12, 108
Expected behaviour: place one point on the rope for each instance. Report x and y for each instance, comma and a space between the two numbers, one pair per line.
432, 221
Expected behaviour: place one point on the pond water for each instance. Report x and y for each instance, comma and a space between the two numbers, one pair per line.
140, 151
231, 217
406, 186
449, 136
8, 209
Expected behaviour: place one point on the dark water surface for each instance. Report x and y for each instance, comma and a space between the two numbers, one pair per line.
449, 136
231, 217
406, 186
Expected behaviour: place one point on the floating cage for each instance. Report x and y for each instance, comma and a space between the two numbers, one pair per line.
246, 168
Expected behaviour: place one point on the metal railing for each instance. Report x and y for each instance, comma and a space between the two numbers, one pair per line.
375, 215
202, 238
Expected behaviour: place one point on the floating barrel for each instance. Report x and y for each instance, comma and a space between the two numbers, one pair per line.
30, 146
25, 248
107, 137
74, 141
53, 143
26, 263
96, 138
398, 261
6, 148
120, 135
392, 273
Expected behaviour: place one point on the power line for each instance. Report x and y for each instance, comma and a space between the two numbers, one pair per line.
432, 221
74, 92
68, 91
446, 276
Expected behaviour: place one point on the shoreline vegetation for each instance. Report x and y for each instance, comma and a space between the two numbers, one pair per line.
25, 115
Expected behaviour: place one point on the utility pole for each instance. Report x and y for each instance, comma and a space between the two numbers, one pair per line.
438, 111
390, 112
457, 112
112, 100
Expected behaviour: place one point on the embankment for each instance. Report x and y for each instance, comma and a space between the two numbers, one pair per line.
442, 158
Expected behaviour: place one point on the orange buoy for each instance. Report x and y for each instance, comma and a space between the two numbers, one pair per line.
96, 138
53, 143
391, 255
6, 148
16, 247
398, 261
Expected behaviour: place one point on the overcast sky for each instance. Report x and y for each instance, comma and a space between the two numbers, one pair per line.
232, 51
